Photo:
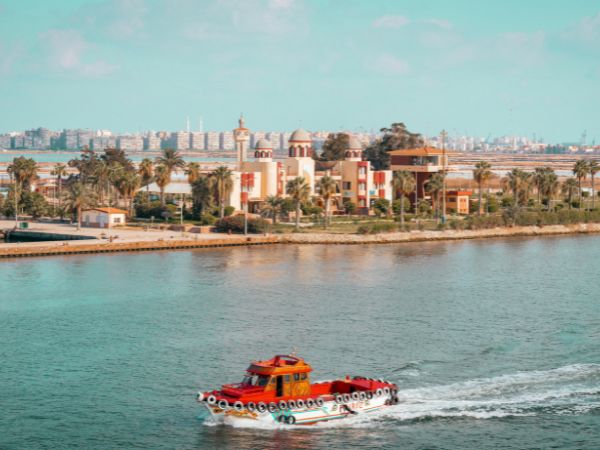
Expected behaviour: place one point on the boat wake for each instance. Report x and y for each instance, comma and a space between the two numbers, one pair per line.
573, 389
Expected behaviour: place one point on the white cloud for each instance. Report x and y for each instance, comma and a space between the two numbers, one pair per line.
390, 22
440, 23
586, 31
65, 51
390, 65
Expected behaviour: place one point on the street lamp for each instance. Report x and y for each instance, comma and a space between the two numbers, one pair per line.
443, 136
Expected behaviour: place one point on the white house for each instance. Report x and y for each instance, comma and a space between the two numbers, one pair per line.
103, 217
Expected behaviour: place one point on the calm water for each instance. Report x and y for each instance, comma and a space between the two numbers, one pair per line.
495, 344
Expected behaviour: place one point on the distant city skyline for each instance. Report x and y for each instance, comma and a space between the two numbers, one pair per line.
511, 68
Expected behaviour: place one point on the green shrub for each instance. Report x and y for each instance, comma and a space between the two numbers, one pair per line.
207, 219
228, 211
379, 227
349, 207
235, 224
381, 206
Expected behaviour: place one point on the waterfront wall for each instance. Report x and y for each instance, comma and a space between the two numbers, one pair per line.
26, 250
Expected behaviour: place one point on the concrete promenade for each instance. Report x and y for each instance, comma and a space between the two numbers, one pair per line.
128, 240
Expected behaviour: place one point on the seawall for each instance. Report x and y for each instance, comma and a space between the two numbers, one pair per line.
82, 247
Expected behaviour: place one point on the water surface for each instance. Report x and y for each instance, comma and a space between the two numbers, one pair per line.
494, 343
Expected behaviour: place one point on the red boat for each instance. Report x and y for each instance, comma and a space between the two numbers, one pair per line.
279, 390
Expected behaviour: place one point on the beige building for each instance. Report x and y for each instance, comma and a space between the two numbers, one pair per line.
103, 217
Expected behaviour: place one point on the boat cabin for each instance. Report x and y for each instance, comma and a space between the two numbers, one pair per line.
284, 375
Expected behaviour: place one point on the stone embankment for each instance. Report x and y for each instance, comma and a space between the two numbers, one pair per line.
96, 246
448, 235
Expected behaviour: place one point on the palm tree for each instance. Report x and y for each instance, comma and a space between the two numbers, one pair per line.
162, 176
550, 185
146, 172
299, 190
24, 171
272, 207
171, 159
327, 187
78, 197
569, 187
518, 182
127, 185
481, 174
223, 184
539, 179
593, 169
102, 178
403, 182
581, 171
59, 171
201, 194
434, 186
192, 171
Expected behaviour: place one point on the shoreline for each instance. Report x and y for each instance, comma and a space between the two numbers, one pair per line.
56, 248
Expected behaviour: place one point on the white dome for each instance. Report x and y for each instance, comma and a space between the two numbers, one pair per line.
353, 143
300, 135
263, 144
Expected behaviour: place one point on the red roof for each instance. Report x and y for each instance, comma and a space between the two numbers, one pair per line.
108, 210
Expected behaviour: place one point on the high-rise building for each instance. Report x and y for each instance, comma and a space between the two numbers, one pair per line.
212, 140
76, 139
274, 138
130, 143
5, 141
180, 140
197, 140
226, 140
100, 143
152, 142
257, 136
284, 140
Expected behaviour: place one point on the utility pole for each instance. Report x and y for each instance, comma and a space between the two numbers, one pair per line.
443, 136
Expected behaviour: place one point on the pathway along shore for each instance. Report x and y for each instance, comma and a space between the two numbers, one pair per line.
96, 246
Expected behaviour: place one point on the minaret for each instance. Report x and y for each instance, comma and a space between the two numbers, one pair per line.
241, 135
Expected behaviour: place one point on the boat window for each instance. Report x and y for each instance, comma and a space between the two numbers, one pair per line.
251, 379
296, 376
286, 378
303, 376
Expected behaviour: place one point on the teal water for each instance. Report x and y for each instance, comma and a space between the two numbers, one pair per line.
494, 344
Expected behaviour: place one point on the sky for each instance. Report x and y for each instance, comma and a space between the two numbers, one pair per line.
468, 66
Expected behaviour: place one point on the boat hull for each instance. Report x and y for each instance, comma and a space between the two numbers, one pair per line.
330, 410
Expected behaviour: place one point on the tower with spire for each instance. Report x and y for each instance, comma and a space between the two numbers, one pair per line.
241, 136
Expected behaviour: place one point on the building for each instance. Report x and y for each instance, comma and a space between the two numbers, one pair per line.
299, 162
152, 142
100, 143
75, 139
458, 201
180, 140
130, 143
212, 140
5, 141
103, 217
227, 140
197, 140
241, 136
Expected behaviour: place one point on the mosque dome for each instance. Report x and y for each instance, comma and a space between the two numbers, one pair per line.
300, 135
263, 144
354, 143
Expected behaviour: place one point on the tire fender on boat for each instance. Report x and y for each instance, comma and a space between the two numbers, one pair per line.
339, 399
238, 406
319, 402
200, 396
362, 395
300, 403
261, 407
378, 392
310, 403
346, 398
251, 407
355, 396
291, 404
290, 420
211, 400
369, 395
386, 390
223, 404
282, 405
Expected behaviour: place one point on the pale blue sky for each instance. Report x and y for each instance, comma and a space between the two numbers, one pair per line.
470, 66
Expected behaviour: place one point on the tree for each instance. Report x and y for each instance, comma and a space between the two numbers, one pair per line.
146, 172
223, 184
272, 207
593, 169
24, 172
102, 179
550, 185
518, 182
78, 197
481, 174
201, 195
435, 186
162, 176
193, 172
59, 171
327, 187
171, 159
299, 190
581, 171
394, 138
569, 187
334, 148
35, 204
538, 178
127, 185
404, 183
